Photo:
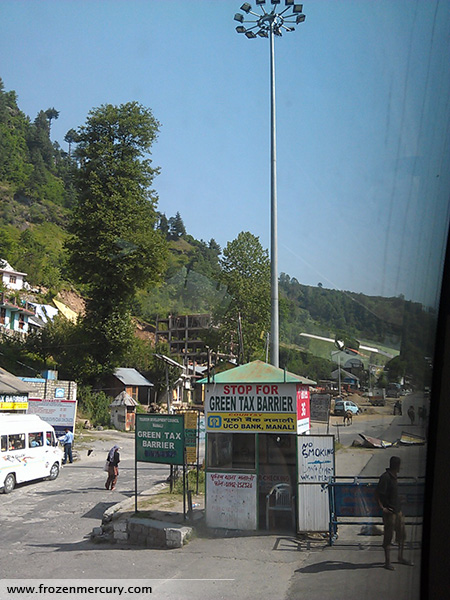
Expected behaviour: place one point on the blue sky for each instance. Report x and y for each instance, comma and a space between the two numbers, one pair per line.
362, 122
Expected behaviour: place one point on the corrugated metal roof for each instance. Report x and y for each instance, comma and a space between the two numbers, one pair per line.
10, 384
124, 399
335, 374
131, 377
256, 372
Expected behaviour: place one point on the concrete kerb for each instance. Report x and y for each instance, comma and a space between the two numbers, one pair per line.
120, 524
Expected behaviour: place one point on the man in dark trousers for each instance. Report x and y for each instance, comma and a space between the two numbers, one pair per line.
393, 520
67, 441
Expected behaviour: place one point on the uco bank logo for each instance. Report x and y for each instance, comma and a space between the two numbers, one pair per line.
214, 422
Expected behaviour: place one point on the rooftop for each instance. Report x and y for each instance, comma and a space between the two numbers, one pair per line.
256, 372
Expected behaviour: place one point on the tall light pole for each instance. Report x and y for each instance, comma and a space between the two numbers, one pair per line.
267, 24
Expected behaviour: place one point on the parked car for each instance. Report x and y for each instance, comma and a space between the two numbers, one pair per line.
343, 406
394, 392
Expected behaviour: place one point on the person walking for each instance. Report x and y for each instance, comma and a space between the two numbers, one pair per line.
412, 414
388, 499
67, 441
113, 460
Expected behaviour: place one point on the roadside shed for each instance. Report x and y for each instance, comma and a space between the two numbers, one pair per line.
123, 412
253, 416
130, 381
347, 378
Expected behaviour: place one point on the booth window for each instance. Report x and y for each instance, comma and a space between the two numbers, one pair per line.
231, 451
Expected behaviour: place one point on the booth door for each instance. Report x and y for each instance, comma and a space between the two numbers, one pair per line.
130, 422
277, 467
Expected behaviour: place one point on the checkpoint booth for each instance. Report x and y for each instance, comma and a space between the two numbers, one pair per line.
254, 416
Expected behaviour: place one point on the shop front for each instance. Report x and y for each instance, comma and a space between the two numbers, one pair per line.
254, 414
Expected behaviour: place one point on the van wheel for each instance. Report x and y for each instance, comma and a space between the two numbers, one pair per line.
54, 471
9, 484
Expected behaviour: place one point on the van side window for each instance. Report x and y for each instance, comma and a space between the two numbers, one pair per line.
50, 438
16, 441
35, 439
4, 443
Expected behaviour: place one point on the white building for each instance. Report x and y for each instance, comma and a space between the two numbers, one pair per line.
13, 280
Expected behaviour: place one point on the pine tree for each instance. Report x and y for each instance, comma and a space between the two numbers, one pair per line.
246, 273
176, 227
114, 247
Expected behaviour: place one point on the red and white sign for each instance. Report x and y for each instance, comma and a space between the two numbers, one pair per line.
303, 409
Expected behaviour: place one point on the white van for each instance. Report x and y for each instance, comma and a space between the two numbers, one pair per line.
29, 450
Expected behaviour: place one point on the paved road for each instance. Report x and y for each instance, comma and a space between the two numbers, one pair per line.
45, 529
60, 513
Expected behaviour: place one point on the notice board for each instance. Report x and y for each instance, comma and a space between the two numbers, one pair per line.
231, 500
190, 436
59, 412
316, 465
320, 407
160, 439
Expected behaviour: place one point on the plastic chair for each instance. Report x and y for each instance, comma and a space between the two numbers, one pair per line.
280, 499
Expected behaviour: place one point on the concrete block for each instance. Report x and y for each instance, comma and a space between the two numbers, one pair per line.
151, 533
120, 526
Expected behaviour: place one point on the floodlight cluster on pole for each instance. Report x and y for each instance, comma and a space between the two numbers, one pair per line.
271, 20
268, 21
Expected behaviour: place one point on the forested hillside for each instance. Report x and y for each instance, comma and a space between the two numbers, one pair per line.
46, 205
36, 193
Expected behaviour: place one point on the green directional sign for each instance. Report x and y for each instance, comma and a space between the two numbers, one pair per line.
160, 439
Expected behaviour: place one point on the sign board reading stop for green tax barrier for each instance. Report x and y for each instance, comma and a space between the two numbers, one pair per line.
160, 439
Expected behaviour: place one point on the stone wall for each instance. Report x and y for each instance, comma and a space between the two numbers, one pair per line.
139, 531
46, 388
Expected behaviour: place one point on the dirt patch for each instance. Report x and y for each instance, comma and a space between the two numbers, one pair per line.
144, 330
72, 300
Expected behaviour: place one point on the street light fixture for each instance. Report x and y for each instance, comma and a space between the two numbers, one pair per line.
267, 23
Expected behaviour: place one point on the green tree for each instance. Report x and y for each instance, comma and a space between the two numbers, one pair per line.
70, 138
305, 364
41, 148
95, 405
163, 225
51, 114
114, 248
14, 128
143, 356
245, 271
176, 227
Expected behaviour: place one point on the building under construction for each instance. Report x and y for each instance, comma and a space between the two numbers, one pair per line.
183, 333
